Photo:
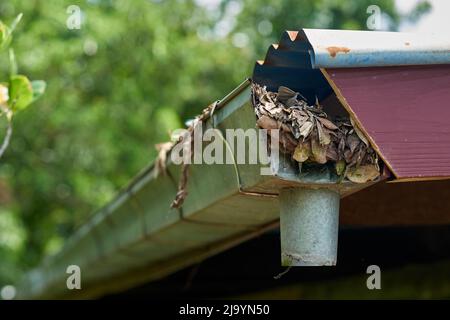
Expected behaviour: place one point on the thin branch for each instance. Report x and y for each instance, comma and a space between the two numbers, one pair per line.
8, 115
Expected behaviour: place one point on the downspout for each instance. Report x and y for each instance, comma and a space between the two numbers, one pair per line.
309, 223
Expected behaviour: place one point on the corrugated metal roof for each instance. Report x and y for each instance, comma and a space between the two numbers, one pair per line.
402, 109
295, 61
404, 112
320, 48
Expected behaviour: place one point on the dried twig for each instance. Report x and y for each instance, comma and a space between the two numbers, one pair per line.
182, 191
278, 276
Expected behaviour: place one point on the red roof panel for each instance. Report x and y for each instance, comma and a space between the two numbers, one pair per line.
405, 111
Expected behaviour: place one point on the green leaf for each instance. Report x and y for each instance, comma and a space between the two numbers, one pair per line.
3, 35
38, 87
15, 22
12, 63
6, 32
20, 93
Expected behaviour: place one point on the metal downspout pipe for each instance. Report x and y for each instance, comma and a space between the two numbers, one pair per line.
309, 223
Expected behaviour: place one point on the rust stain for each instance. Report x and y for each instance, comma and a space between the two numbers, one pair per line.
407, 43
333, 51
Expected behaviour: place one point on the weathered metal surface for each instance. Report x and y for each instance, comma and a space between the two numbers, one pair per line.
326, 48
138, 237
309, 220
138, 228
404, 111
296, 60
350, 48
403, 108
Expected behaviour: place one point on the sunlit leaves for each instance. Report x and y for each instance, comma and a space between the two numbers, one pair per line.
3, 34
38, 87
14, 24
4, 93
6, 32
20, 93
12, 63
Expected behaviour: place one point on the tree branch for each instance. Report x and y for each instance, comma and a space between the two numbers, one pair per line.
7, 138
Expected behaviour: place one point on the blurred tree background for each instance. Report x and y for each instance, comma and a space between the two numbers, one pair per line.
134, 71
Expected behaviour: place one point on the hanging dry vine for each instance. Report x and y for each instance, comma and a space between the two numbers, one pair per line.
187, 137
309, 136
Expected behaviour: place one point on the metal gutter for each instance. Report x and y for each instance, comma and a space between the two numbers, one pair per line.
137, 237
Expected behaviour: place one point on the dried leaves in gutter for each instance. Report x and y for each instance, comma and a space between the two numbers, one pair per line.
308, 135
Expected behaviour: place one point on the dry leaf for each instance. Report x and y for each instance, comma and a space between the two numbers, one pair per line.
353, 142
362, 174
302, 152
358, 132
182, 187
341, 146
287, 96
285, 127
319, 151
332, 152
266, 122
324, 137
306, 128
340, 167
307, 133
287, 142
348, 155
327, 123
160, 163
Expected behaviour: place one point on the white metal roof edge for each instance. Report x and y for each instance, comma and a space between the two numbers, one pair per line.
350, 48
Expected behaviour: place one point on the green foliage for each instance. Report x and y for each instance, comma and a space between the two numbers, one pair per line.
16, 93
38, 88
133, 71
20, 92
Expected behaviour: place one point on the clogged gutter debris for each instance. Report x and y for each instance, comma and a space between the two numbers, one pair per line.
309, 136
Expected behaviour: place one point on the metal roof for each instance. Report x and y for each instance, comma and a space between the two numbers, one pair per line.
322, 48
395, 86
295, 61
